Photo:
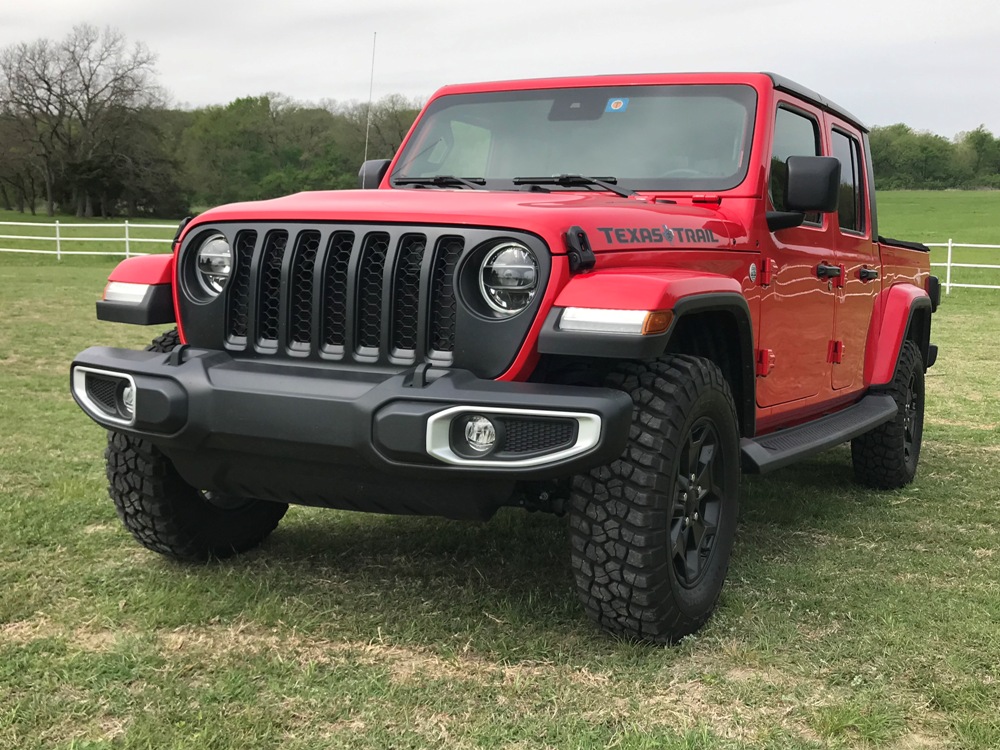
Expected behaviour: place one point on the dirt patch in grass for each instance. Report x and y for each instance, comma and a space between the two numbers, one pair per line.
83, 637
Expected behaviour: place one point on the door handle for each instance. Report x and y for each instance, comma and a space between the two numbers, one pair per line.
868, 274
824, 271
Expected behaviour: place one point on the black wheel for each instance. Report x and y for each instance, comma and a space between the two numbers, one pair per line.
652, 533
886, 457
169, 516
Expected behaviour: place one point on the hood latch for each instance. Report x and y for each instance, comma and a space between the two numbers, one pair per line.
581, 256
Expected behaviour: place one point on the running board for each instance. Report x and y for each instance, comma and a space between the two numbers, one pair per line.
779, 449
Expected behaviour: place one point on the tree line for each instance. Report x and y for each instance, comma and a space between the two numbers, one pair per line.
86, 129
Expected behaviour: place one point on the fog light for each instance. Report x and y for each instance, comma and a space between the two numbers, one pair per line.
480, 434
128, 400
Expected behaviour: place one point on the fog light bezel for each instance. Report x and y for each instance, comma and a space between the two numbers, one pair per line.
79, 383
442, 443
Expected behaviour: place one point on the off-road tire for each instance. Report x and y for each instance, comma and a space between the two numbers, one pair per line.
166, 514
629, 542
886, 457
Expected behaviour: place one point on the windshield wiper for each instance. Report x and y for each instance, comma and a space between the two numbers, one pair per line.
572, 180
443, 180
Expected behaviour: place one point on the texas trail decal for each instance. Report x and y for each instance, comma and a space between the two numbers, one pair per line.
657, 235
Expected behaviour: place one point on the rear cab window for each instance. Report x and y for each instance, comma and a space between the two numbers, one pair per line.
852, 215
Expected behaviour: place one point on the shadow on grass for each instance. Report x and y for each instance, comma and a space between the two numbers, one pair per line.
504, 587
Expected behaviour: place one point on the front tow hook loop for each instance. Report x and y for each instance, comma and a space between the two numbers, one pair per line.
176, 356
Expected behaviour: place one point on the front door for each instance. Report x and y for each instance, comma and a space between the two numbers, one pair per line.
797, 307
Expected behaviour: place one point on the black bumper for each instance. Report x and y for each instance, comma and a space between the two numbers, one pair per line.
319, 435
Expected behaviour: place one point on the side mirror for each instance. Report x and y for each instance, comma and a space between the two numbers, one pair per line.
371, 173
812, 184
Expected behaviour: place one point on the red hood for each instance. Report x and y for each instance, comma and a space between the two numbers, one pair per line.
611, 223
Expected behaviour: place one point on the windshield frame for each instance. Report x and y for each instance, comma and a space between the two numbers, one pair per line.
742, 93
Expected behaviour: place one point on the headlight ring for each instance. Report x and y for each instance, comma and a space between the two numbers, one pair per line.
214, 264
508, 278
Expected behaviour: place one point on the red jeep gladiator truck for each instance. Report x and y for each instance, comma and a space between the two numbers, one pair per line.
606, 296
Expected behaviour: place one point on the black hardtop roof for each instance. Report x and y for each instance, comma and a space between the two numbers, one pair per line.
785, 84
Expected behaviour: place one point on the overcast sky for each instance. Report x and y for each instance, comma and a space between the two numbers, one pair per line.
933, 65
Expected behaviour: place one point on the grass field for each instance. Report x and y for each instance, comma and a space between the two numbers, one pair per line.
851, 619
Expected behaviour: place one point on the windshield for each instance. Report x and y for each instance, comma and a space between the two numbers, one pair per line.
673, 137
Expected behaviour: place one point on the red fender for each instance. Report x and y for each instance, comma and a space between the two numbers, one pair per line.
145, 269
641, 289
891, 317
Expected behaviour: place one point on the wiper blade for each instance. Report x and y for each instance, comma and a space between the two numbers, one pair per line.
443, 180
572, 180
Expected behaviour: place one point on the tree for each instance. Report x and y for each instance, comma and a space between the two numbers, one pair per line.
391, 118
77, 102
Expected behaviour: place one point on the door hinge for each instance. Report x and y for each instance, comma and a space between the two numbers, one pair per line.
835, 354
765, 362
766, 275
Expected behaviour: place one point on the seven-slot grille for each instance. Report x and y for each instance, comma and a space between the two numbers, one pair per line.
368, 294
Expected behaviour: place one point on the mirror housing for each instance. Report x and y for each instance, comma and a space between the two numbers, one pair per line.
812, 184
371, 173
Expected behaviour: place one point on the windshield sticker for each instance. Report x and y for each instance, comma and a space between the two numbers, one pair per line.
656, 235
616, 105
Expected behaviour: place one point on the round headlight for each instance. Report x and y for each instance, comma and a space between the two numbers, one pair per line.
508, 278
215, 263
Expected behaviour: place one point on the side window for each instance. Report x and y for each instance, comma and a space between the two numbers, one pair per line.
852, 205
794, 135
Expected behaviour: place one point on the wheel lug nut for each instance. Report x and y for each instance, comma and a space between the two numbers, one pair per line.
695, 516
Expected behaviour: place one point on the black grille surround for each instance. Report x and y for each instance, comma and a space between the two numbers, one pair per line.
356, 295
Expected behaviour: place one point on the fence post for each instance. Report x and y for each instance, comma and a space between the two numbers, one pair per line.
947, 274
126, 239
58, 242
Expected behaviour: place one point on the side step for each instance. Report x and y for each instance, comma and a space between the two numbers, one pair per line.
784, 447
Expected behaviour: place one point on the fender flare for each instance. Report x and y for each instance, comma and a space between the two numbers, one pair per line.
152, 276
901, 312
145, 269
682, 292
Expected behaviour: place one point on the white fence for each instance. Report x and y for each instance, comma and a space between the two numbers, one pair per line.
58, 238
949, 264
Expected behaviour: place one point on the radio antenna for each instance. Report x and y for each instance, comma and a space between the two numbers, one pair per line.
371, 88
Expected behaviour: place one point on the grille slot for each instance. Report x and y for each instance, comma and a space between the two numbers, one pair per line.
239, 290
269, 294
370, 272
442, 328
406, 294
338, 259
301, 290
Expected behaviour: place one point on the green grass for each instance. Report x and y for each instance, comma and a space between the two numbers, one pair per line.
935, 216
851, 619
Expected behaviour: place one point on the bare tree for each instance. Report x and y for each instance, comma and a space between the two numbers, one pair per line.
391, 118
73, 101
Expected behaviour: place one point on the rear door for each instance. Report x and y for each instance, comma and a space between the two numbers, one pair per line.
857, 252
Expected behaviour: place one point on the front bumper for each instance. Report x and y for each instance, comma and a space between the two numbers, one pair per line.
305, 433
